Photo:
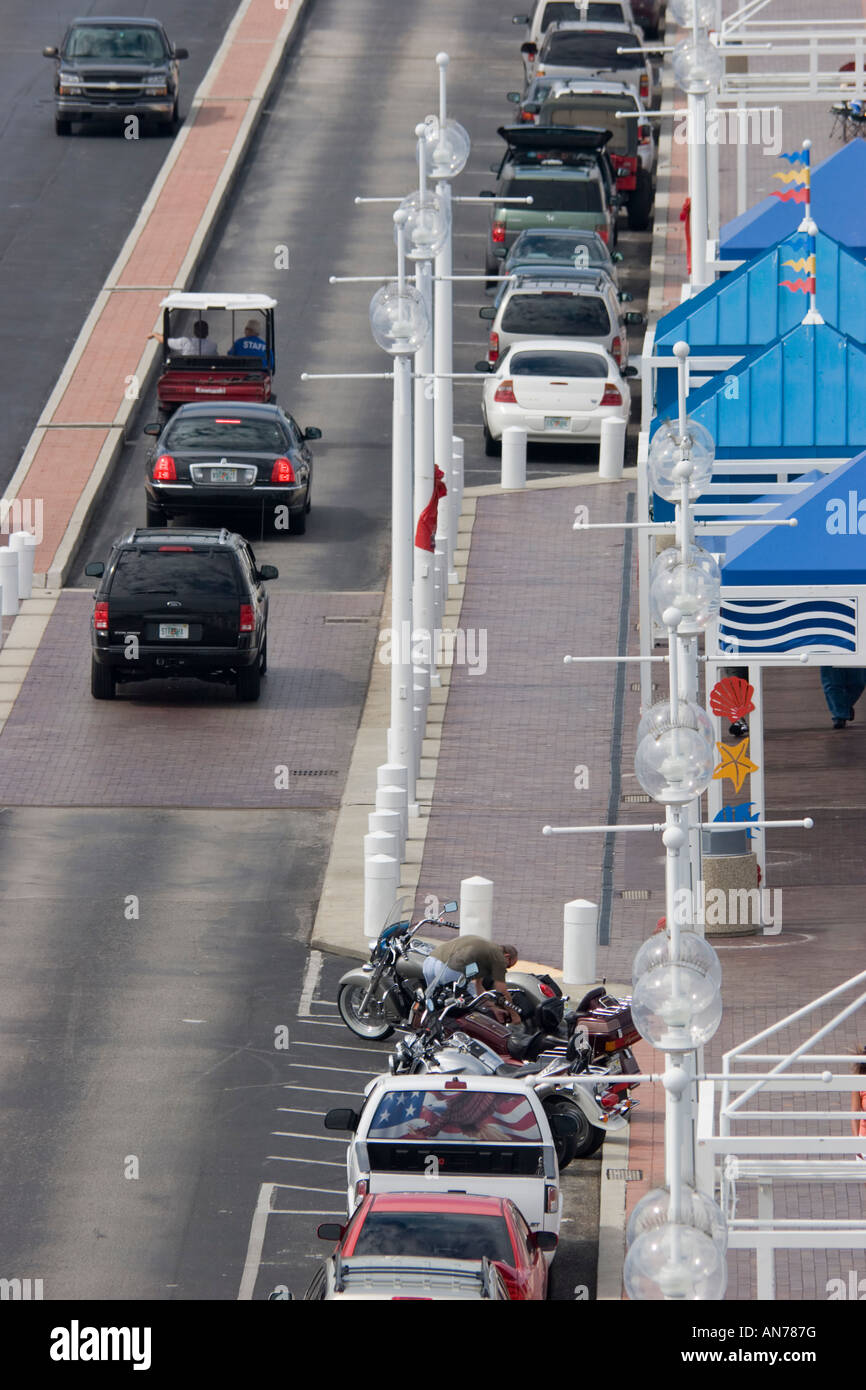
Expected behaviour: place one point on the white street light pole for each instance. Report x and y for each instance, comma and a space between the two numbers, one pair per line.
422, 589
443, 350
401, 734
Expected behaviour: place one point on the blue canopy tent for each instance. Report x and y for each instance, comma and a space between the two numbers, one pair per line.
838, 205
750, 308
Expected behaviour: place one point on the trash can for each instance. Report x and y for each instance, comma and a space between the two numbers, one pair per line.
729, 873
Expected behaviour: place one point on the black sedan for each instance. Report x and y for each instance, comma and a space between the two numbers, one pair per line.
235, 457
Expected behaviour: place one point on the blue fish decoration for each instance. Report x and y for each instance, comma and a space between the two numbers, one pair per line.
740, 812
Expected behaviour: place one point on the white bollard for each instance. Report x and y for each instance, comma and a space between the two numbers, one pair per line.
381, 842
395, 799
611, 450
9, 581
381, 881
579, 946
390, 821
392, 775
24, 546
476, 907
513, 457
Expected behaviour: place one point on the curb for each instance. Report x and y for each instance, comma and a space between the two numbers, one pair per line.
114, 444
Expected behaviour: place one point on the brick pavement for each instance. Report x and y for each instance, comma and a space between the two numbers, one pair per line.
177, 743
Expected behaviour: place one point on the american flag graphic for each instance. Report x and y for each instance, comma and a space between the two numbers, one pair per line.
493, 1116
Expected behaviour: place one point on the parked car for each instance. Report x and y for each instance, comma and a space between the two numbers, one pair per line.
529, 101
215, 346
240, 457
567, 307
648, 14
108, 67
571, 181
489, 1136
397, 1278
547, 13
447, 1226
558, 390
590, 51
550, 246
188, 603
631, 148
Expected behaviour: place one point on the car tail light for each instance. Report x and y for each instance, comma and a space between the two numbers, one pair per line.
603, 233
644, 88
611, 395
493, 348
282, 471
497, 233
551, 1198
100, 617
164, 470
643, 135
616, 351
505, 394
527, 118
248, 621
175, 549
362, 1187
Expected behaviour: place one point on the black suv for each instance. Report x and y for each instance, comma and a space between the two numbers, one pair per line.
115, 67
179, 603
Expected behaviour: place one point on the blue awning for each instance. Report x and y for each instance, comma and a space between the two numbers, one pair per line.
827, 546
838, 206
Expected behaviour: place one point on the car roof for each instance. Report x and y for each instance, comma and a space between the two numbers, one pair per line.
557, 345
262, 409
117, 19
589, 86
547, 270
152, 537
213, 299
437, 1201
544, 284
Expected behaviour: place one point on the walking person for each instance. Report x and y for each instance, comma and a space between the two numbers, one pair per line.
843, 686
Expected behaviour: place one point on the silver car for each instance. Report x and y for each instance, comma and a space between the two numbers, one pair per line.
591, 50
560, 308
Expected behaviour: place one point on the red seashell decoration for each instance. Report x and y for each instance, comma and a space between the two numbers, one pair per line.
731, 697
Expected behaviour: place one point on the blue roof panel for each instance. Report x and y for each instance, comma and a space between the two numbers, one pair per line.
838, 206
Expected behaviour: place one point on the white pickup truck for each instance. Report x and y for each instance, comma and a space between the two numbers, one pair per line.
483, 1135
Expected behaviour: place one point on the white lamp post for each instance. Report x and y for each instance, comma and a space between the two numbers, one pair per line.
698, 67
400, 324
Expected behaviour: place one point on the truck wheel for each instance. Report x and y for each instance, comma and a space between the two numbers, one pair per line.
640, 202
102, 682
249, 682
62, 127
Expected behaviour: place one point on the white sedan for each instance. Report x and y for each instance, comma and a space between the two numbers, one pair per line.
558, 390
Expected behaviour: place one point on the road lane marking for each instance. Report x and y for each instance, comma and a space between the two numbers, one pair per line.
316, 1089
319, 1162
299, 1187
255, 1244
344, 1047
311, 978
344, 1071
319, 1138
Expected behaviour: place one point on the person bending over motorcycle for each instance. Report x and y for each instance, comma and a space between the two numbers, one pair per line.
483, 962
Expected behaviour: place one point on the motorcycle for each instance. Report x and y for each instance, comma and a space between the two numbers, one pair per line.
442, 1045
382, 994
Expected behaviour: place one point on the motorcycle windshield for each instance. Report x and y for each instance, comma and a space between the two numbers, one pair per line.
399, 916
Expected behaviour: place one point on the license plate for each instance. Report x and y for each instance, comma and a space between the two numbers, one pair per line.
173, 632
224, 475
556, 422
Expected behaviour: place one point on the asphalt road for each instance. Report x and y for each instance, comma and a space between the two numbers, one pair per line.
67, 205
152, 1038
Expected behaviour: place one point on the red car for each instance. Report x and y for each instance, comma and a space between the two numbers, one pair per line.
449, 1225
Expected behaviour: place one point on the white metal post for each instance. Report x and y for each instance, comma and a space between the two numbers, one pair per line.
456, 498
422, 591
443, 389
513, 458
400, 734
579, 944
381, 881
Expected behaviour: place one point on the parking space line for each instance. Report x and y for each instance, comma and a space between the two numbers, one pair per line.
299, 1187
319, 1138
344, 1047
314, 1066
256, 1241
291, 1110
319, 1162
312, 972
288, 1087
299, 1211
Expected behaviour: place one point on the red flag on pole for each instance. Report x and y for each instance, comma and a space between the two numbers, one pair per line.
425, 533
686, 217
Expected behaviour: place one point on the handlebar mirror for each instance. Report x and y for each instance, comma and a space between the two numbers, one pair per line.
450, 907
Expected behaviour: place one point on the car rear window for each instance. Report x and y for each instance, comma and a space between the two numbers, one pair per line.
566, 194
442, 1235
556, 312
170, 571
571, 11
491, 1116
591, 50
225, 431
583, 364
560, 249
111, 41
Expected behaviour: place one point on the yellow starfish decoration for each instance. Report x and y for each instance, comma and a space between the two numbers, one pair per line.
735, 763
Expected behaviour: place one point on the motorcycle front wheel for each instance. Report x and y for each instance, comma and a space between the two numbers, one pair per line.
367, 1025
